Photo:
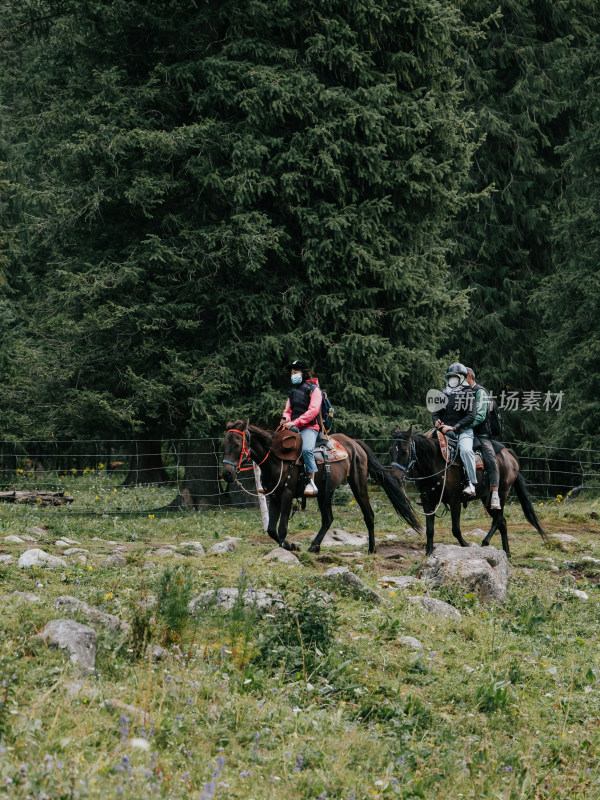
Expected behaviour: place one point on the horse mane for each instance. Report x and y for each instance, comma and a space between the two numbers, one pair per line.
427, 450
254, 430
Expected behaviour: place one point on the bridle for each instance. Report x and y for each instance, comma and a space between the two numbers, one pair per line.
245, 454
413, 457
412, 462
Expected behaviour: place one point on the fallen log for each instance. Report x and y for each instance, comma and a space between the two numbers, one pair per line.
42, 498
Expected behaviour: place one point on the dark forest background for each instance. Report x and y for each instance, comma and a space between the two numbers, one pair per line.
194, 193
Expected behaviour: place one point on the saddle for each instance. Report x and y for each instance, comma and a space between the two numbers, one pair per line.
450, 451
287, 446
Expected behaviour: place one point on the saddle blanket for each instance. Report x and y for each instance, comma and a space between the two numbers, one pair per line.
333, 450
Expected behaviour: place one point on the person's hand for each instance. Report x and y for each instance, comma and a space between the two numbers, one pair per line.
287, 424
438, 423
447, 428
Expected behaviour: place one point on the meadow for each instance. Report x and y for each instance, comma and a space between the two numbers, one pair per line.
315, 700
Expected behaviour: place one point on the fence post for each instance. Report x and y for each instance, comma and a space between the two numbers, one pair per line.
262, 500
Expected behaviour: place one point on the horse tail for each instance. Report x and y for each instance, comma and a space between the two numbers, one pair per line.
522, 494
391, 487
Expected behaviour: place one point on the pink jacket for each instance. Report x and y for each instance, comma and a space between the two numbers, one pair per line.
310, 413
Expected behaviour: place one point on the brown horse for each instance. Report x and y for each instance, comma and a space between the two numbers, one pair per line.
244, 443
419, 458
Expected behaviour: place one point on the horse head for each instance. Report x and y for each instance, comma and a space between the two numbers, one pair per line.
235, 448
402, 452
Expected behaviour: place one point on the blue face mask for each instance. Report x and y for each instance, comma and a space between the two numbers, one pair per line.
297, 378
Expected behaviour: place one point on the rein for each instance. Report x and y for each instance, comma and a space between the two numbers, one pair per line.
246, 455
411, 463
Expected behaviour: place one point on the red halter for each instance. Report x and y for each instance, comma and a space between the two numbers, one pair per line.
245, 454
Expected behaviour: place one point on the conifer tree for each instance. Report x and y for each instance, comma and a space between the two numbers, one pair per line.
212, 189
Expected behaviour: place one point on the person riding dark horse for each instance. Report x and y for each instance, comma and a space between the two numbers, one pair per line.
302, 412
456, 416
280, 477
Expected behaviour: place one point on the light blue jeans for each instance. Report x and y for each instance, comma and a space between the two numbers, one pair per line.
309, 438
465, 446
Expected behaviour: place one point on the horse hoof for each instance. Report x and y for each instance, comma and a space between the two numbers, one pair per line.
314, 549
371, 551
485, 544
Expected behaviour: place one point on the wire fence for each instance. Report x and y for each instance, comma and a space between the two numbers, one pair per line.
141, 476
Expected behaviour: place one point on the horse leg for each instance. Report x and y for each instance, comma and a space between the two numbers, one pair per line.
455, 514
361, 493
496, 516
504, 534
274, 511
286, 507
326, 520
429, 528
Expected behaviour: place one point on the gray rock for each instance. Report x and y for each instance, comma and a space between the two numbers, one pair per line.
341, 538
116, 560
37, 531
26, 597
156, 652
165, 552
261, 599
64, 542
14, 539
481, 569
528, 572
226, 546
196, 546
548, 560
478, 532
577, 593
6, 559
344, 575
29, 538
104, 541
411, 532
590, 560
398, 581
73, 551
437, 607
410, 642
78, 640
149, 565
564, 538
109, 621
39, 558
283, 556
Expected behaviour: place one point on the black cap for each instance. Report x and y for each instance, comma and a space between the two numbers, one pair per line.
298, 364
470, 372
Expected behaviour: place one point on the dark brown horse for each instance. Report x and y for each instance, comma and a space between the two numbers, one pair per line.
281, 481
419, 458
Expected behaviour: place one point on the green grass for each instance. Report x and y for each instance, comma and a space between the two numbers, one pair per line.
503, 703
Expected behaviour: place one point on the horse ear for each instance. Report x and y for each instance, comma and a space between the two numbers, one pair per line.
247, 424
397, 430
229, 424
409, 430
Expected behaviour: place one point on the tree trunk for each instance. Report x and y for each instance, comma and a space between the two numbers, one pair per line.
200, 486
146, 465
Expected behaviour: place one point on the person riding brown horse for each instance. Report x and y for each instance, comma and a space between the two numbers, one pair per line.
419, 458
282, 483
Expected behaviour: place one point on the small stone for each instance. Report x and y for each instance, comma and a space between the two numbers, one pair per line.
225, 598
344, 575
227, 546
411, 532
338, 537
73, 551
564, 538
78, 640
149, 565
590, 560
104, 541
63, 540
437, 607
6, 559
410, 642
398, 581
577, 593
283, 556
37, 531
116, 560
110, 621
554, 568
39, 558
529, 573
14, 539
478, 533
548, 560
27, 597
196, 546
164, 552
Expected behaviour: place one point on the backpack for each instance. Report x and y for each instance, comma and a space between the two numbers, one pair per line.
494, 419
326, 412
